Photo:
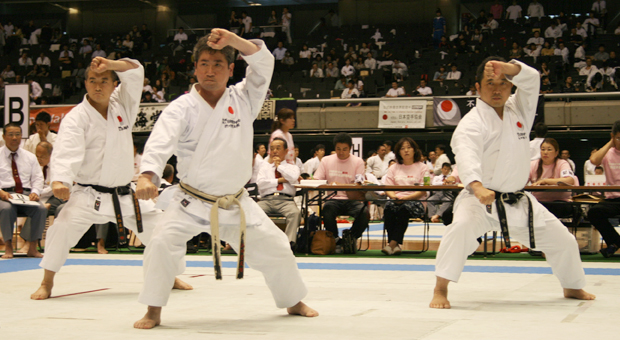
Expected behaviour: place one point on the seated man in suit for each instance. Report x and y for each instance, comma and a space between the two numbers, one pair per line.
20, 174
275, 186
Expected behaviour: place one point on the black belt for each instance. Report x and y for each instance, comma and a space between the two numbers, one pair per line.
120, 191
12, 189
279, 194
512, 198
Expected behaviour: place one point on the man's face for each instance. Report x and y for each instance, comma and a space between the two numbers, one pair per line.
445, 170
394, 85
343, 151
261, 150
320, 153
432, 156
330, 65
569, 80
453, 68
381, 151
280, 45
213, 71
42, 127
277, 149
601, 49
612, 54
422, 83
12, 137
296, 152
438, 152
42, 156
494, 91
565, 154
616, 139
99, 86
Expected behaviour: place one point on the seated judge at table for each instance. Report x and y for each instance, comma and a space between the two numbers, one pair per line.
409, 170
552, 170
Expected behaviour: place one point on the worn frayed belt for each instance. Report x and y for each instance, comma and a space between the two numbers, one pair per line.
120, 191
512, 198
225, 202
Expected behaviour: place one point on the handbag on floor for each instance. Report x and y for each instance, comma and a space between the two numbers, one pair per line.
323, 243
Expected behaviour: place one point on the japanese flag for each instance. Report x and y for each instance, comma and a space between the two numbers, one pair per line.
446, 112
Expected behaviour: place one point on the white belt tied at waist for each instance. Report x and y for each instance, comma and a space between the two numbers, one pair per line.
225, 202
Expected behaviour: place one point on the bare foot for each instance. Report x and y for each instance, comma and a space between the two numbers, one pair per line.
151, 319
578, 294
435, 219
178, 284
34, 253
8, 251
24, 249
44, 292
440, 300
302, 309
101, 246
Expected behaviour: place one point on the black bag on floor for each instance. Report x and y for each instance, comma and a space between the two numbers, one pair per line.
304, 238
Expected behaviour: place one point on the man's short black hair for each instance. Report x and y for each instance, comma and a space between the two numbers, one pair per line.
318, 147
296, 146
43, 117
446, 164
370, 153
388, 143
616, 128
540, 130
480, 70
282, 140
441, 147
343, 137
12, 124
257, 146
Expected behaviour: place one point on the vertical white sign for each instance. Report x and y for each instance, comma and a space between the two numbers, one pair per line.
357, 147
17, 106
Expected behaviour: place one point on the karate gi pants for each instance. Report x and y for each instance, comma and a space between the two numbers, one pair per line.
287, 208
266, 249
75, 218
471, 221
8, 217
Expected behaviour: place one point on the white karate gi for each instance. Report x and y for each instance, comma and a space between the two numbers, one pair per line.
535, 148
311, 165
92, 150
496, 153
214, 152
377, 166
35, 139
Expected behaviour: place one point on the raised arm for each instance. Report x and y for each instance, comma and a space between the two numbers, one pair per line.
597, 157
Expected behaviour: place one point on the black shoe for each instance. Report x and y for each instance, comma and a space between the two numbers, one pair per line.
609, 251
349, 243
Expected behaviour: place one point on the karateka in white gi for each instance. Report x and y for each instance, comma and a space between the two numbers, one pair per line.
94, 149
210, 131
491, 144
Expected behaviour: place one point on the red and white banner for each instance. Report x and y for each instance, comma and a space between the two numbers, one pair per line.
402, 114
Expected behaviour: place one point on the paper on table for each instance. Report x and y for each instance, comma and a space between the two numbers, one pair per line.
312, 182
20, 199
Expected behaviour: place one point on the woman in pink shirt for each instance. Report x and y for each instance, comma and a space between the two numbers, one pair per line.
551, 170
609, 157
408, 170
285, 121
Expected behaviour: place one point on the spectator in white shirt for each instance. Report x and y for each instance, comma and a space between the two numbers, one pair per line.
280, 51
565, 155
513, 12
7, 73
454, 74
399, 70
350, 91
43, 134
98, 52
85, 48
158, 95
25, 61
535, 10
316, 72
388, 149
44, 60
276, 180
491, 24
581, 30
247, 25
554, 31
370, 62
589, 69
298, 161
536, 39
378, 164
347, 70
423, 90
472, 91
440, 151
313, 163
591, 24
181, 36
395, 91
532, 50
562, 51
147, 87
35, 90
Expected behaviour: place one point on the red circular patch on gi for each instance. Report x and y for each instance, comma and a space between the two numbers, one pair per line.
519, 125
230, 109
446, 105
384, 117
119, 119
